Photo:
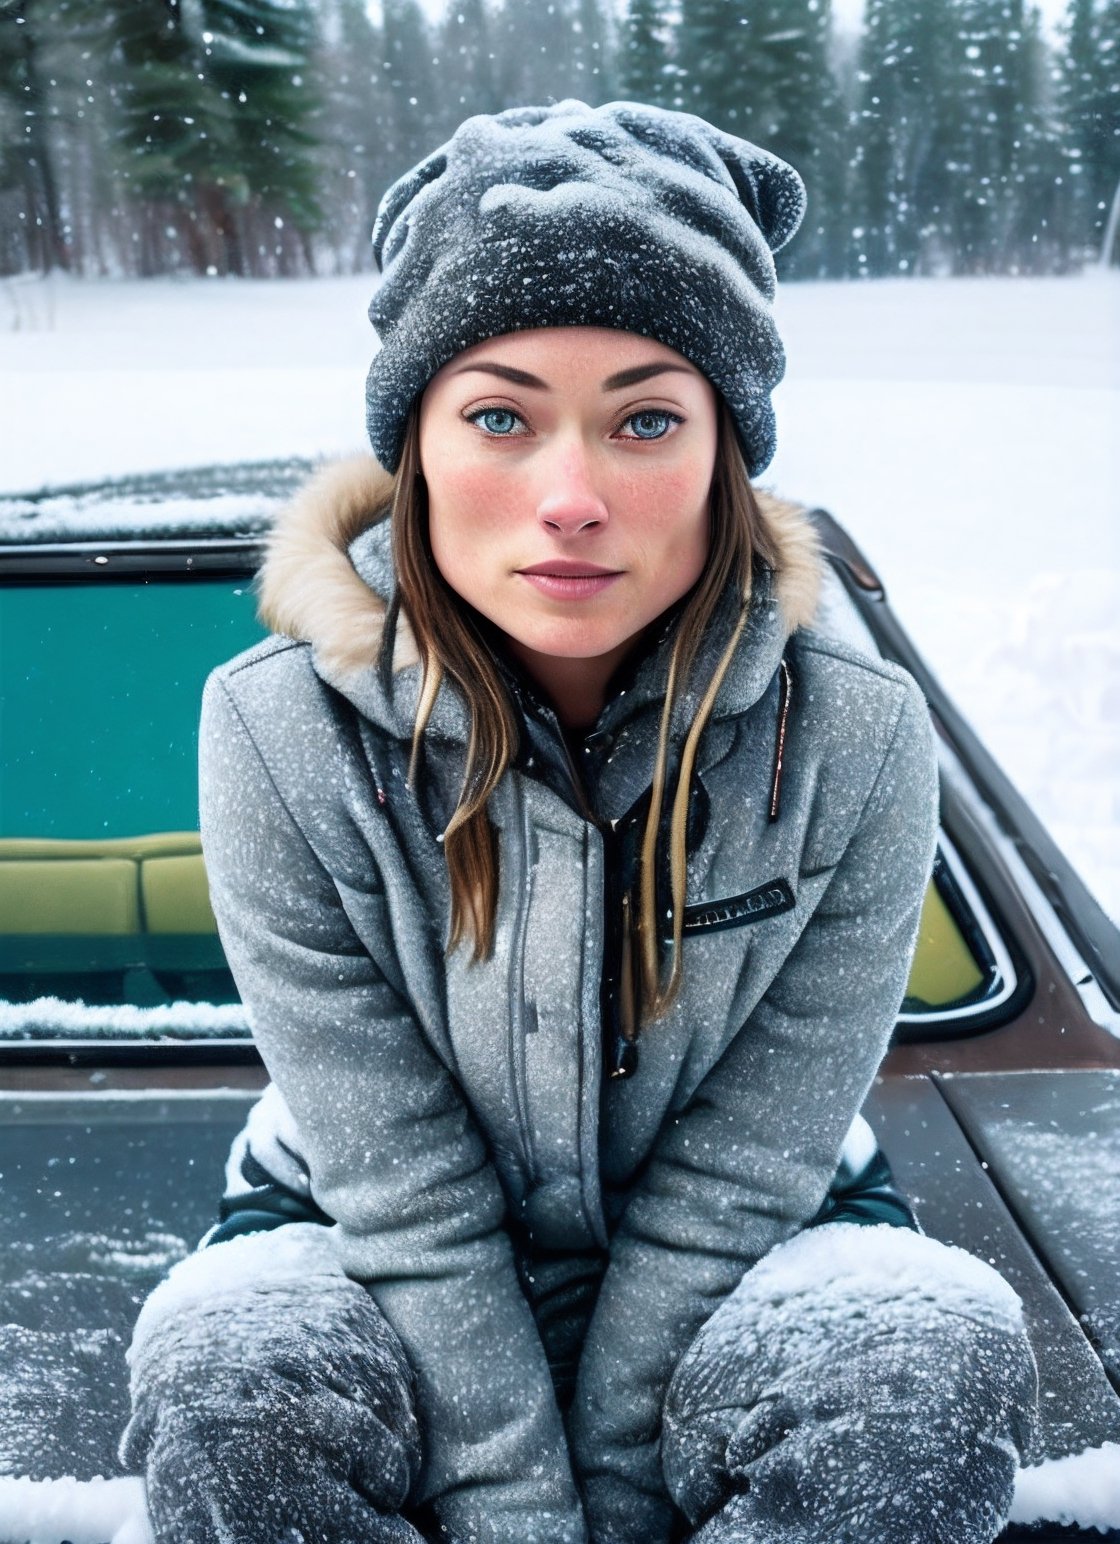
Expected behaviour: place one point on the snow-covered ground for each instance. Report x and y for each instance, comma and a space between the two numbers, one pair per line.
966, 432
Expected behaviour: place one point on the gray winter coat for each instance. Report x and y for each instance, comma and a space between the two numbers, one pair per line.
455, 1119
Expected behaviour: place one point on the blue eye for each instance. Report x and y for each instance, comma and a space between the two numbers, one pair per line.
661, 421
504, 413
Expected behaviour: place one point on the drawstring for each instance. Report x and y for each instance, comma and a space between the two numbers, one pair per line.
624, 1061
780, 743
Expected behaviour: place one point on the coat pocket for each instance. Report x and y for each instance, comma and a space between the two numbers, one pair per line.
766, 900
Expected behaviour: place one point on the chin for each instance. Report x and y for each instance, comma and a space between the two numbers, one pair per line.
575, 641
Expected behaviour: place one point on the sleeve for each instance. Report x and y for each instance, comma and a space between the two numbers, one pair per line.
393, 1156
268, 1182
748, 1161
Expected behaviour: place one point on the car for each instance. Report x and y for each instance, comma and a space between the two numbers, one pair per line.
127, 1063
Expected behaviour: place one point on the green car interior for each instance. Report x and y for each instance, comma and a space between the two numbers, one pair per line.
103, 894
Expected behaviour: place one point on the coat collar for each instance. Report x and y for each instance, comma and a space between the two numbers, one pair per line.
327, 577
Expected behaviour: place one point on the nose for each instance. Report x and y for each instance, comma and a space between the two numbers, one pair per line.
570, 503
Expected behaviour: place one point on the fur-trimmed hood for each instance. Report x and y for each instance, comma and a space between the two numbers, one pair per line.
327, 576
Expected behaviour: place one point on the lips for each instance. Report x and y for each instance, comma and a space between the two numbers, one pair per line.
568, 568
567, 579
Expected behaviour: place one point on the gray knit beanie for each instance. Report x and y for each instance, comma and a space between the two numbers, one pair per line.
619, 216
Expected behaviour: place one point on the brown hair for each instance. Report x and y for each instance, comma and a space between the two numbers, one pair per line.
451, 643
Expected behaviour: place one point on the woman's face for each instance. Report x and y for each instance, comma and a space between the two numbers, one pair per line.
568, 471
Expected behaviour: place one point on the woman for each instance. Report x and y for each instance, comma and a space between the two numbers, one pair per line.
571, 882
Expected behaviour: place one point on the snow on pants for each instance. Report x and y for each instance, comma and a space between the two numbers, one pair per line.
861, 1385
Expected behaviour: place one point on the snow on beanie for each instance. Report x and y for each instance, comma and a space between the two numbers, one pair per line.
622, 216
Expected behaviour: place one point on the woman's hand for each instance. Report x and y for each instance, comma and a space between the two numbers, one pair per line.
272, 1401
861, 1382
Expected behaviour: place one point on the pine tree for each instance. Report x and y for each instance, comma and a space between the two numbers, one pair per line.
765, 75
259, 56
209, 129
809, 132
1038, 238
143, 135
908, 86
466, 49
537, 52
592, 66
349, 155
1090, 101
989, 36
171, 135
712, 54
959, 152
1078, 94
1105, 170
758, 72
29, 186
644, 63
414, 111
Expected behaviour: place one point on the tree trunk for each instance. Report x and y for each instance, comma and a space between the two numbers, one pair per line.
56, 252
1112, 226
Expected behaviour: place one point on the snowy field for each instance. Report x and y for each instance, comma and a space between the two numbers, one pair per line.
966, 432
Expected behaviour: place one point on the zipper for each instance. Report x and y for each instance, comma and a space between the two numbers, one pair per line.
618, 998
576, 779
520, 1013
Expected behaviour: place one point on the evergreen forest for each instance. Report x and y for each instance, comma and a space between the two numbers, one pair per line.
254, 137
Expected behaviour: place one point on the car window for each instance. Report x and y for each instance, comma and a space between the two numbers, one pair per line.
103, 895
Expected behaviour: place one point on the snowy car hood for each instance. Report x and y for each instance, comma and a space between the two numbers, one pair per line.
241, 500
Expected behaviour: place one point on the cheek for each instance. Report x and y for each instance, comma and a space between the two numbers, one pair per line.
467, 502
465, 523
673, 514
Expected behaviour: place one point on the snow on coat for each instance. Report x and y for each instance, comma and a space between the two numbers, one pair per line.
439, 1104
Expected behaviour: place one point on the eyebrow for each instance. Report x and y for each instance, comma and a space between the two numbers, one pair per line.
612, 383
